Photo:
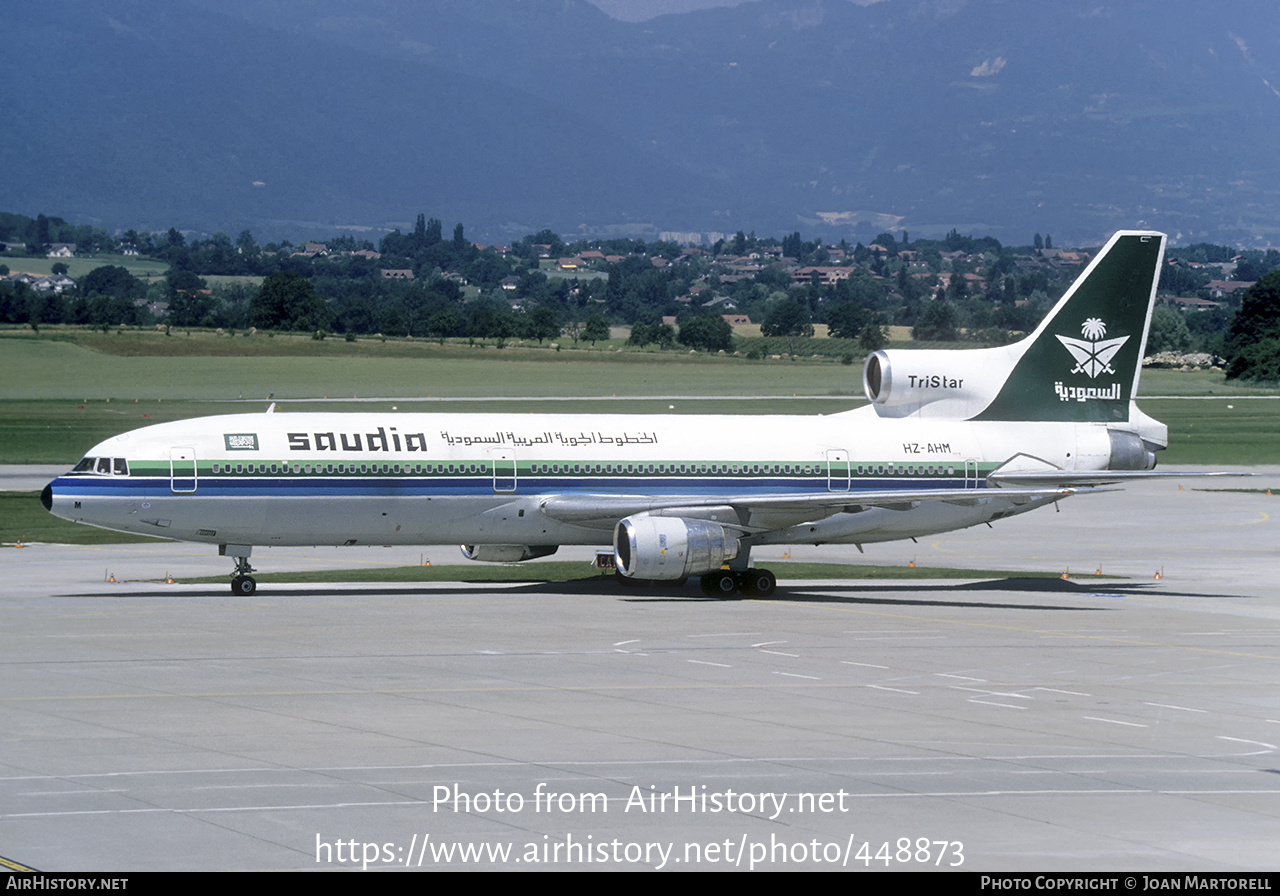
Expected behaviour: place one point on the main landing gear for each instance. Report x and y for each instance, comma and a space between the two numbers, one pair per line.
747, 582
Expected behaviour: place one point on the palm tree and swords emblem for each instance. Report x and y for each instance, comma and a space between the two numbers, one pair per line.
1093, 356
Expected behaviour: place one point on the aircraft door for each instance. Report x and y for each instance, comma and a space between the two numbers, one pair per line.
971, 473
504, 471
837, 470
182, 470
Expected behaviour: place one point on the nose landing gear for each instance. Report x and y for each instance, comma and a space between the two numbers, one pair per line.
241, 582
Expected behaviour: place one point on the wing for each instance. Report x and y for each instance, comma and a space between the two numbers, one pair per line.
762, 513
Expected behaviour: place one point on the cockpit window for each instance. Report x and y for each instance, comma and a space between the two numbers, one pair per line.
103, 466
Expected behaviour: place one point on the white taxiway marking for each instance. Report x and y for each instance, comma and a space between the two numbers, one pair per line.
1172, 706
1116, 722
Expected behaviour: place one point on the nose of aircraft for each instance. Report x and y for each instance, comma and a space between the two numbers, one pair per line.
46, 497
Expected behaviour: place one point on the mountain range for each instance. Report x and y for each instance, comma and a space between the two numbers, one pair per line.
993, 117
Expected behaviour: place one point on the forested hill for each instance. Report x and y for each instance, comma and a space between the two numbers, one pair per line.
992, 116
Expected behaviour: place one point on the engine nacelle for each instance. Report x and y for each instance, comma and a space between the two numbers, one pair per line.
936, 383
507, 553
654, 547
1130, 452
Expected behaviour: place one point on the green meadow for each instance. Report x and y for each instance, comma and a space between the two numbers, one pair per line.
63, 390
145, 269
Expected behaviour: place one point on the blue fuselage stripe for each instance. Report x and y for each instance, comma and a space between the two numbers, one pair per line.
334, 487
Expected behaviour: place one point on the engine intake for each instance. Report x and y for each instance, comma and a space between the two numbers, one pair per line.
652, 547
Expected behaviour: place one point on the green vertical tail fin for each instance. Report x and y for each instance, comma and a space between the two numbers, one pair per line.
1082, 363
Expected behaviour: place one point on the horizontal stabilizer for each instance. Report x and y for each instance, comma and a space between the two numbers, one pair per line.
1090, 478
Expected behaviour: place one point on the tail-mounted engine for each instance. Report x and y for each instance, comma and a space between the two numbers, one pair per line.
941, 384
654, 547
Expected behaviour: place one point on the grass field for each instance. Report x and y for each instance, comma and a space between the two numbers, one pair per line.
63, 391
23, 519
142, 268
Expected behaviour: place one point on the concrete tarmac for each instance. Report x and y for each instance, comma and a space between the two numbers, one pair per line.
985, 724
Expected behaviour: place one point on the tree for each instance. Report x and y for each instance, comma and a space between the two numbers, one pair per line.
793, 246
289, 301
1253, 341
540, 323
643, 334
873, 336
107, 296
596, 329
111, 280
444, 323
1169, 331
847, 320
938, 323
492, 319
709, 332
788, 318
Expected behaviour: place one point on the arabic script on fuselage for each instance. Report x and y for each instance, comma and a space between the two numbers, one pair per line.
573, 440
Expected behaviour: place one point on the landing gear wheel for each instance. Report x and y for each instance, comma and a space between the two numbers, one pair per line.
719, 584
241, 581
758, 583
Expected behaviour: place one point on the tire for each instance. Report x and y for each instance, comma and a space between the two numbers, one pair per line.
759, 583
719, 584
243, 585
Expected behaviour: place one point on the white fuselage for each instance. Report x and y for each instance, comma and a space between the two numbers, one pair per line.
395, 478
